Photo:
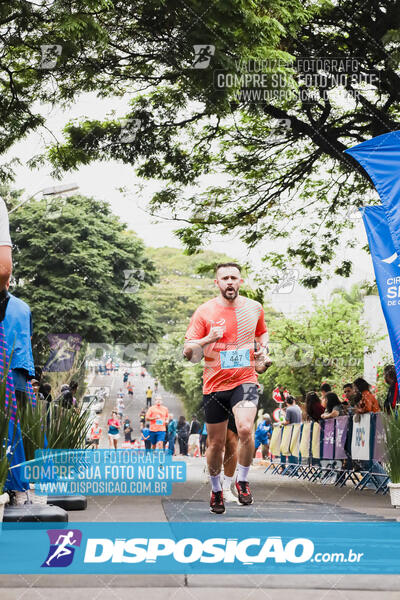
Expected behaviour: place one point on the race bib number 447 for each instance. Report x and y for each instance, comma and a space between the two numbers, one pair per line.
235, 359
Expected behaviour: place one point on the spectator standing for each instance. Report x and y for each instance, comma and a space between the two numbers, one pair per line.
203, 439
263, 435
347, 399
183, 435
45, 390
146, 436
127, 430
114, 425
66, 399
194, 435
149, 396
314, 408
392, 398
18, 330
293, 412
333, 406
73, 386
142, 418
367, 402
325, 389
172, 427
293, 415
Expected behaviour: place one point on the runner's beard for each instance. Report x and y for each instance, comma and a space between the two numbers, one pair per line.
230, 295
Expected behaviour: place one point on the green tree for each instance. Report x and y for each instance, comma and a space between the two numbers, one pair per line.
181, 286
325, 344
54, 51
69, 262
270, 185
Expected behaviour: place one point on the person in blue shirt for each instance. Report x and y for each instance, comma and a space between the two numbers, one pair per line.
203, 440
18, 329
146, 436
172, 426
263, 435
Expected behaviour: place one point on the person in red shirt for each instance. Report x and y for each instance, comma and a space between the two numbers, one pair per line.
95, 434
114, 425
314, 407
224, 329
157, 415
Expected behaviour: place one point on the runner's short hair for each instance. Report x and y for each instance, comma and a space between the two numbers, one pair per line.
228, 264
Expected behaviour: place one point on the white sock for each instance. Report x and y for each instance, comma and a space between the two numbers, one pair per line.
216, 483
243, 473
227, 482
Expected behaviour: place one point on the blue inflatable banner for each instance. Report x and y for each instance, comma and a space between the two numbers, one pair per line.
387, 273
380, 157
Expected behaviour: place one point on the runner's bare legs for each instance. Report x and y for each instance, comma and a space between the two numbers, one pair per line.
230, 456
216, 447
245, 414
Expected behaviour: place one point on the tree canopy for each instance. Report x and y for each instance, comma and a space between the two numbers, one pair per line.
184, 126
81, 271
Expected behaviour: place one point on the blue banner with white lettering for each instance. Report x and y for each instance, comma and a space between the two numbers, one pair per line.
380, 157
387, 272
194, 548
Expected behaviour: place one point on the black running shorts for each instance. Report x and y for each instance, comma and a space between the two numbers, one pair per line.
218, 405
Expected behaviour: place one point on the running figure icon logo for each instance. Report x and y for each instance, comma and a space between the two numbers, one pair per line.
62, 547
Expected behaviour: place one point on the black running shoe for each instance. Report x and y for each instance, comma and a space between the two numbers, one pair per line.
244, 494
217, 505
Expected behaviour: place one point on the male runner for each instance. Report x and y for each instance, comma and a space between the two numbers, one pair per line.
224, 329
157, 415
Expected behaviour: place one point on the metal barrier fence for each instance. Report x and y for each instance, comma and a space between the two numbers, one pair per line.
333, 451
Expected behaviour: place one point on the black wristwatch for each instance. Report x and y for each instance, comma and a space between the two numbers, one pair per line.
4, 298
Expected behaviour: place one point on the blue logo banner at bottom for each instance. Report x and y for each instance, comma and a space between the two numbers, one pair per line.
194, 548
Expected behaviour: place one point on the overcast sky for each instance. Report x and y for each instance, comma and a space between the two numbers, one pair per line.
102, 180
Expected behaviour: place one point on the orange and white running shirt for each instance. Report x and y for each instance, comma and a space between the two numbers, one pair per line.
228, 362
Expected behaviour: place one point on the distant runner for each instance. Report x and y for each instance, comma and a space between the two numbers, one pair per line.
157, 415
149, 396
225, 329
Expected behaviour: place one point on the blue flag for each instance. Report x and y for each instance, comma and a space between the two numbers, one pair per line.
15, 448
387, 272
380, 157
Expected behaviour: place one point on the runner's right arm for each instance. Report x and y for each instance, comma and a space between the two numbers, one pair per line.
197, 338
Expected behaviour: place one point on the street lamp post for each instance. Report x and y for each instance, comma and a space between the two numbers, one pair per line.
50, 191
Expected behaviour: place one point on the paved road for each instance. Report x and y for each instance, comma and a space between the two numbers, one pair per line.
277, 499
132, 406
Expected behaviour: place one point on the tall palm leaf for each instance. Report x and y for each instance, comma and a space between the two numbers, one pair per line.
67, 428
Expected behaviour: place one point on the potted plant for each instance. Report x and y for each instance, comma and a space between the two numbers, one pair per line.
392, 459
